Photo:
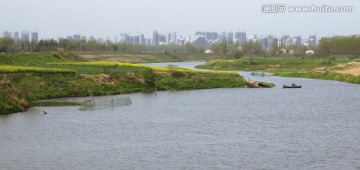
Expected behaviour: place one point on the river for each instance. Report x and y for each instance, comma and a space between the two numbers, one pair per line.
315, 127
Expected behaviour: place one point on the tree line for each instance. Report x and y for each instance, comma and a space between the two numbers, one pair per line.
339, 45
9, 45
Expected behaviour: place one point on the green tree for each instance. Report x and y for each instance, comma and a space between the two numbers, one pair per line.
7, 45
149, 77
190, 48
237, 54
114, 47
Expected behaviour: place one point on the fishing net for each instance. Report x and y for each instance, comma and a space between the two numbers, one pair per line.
93, 104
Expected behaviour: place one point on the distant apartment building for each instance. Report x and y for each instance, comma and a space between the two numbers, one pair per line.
312, 40
162, 39
230, 37
174, 38
16, 36
92, 38
296, 40
35, 37
76, 37
282, 41
240, 37
25, 36
201, 41
210, 36
155, 38
7, 34
264, 43
168, 39
148, 41
124, 38
142, 39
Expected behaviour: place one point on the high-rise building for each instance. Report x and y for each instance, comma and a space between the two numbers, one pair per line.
223, 36
168, 39
162, 39
35, 37
296, 40
7, 34
284, 39
156, 38
124, 38
92, 38
270, 40
254, 37
174, 38
240, 37
142, 39
16, 36
25, 36
76, 37
208, 36
312, 40
70, 38
201, 41
264, 43
135, 39
215, 36
230, 37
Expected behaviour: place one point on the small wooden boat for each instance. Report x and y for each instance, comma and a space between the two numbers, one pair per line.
292, 86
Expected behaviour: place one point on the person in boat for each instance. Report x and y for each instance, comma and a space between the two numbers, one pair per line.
293, 85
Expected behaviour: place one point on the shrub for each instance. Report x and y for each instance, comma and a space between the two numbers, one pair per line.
149, 76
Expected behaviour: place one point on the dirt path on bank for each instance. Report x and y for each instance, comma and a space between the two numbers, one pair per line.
352, 68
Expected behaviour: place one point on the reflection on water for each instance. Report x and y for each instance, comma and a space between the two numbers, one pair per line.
315, 127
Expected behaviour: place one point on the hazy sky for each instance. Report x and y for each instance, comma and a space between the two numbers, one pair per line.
109, 18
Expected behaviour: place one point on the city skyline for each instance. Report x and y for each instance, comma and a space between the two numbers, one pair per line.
200, 39
109, 18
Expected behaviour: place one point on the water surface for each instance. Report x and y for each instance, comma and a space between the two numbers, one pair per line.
315, 127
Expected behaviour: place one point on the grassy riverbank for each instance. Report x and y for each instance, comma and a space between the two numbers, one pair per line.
338, 68
29, 77
149, 57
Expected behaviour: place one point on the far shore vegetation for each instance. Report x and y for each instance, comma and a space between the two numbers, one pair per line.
340, 68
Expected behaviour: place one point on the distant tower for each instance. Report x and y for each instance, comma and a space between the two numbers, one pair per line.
7, 34
168, 38
25, 36
16, 36
76, 37
156, 38
223, 37
240, 37
142, 39
174, 38
296, 40
312, 40
230, 37
35, 37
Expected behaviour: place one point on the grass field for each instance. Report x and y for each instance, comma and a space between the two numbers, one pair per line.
98, 67
149, 57
341, 68
24, 69
36, 59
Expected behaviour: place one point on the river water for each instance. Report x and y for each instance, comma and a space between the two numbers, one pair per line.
315, 127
